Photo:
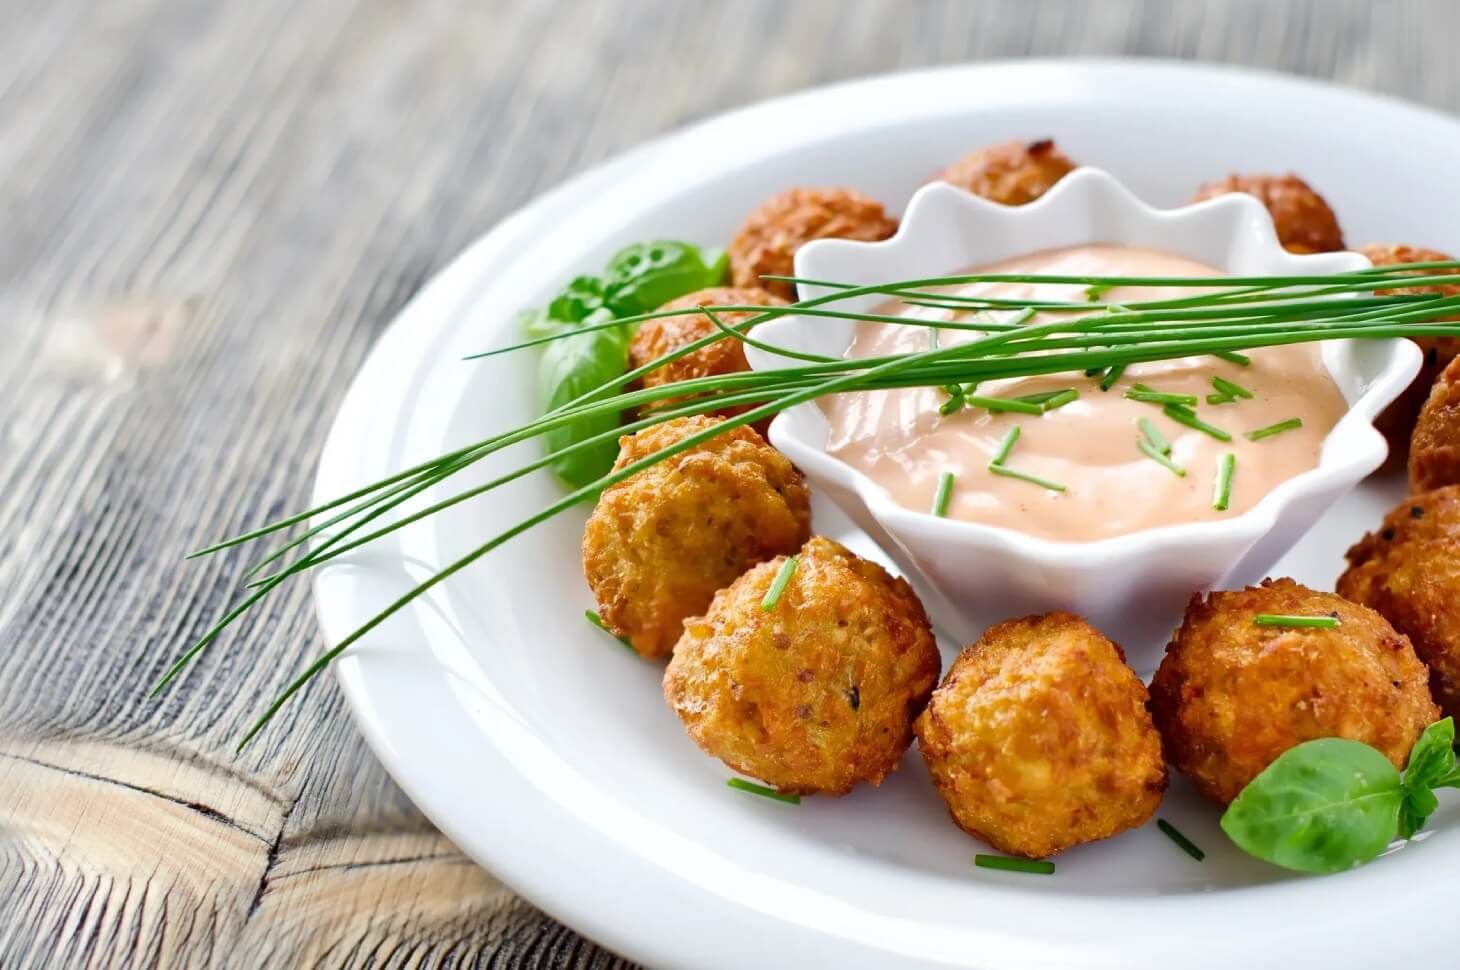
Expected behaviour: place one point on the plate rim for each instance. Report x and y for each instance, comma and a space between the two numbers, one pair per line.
452, 284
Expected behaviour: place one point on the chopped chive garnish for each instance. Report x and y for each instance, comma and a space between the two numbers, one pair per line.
945, 490
1157, 397
1281, 619
740, 784
1095, 291
1187, 846
779, 584
593, 617
1231, 356
955, 402
1002, 404
1061, 399
1008, 472
1154, 453
1011, 864
1153, 435
1186, 416
1273, 429
1220, 399
1222, 490
1111, 376
1044, 397
1005, 446
1230, 388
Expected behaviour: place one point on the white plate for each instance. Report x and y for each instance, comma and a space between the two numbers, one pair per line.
546, 752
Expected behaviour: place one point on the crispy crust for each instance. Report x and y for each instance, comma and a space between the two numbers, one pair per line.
1409, 571
1397, 421
1230, 696
663, 335
1039, 738
1305, 223
1011, 173
661, 543
1434, 451
818, 693
782, 224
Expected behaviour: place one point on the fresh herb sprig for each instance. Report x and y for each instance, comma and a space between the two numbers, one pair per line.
1231, 315
1332, 804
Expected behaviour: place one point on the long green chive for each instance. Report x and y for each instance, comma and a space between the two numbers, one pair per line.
1040, 867
1008, 472
779, 584
1155, 454
1187, 846
1061, 399
1272, 429
1186, 416
1157, 397
1231, 315
1002, 404
593, 617
1005, 446
1231, 388
1153, 435
1222, 490
1282, 619
1241, 360
944, 494
740, 784
1111, 376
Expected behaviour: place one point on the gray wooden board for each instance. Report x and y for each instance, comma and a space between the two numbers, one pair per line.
208, 211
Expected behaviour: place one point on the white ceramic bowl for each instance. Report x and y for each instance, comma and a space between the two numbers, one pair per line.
1133, 586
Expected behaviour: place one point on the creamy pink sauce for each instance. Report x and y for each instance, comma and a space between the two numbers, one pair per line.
900, 441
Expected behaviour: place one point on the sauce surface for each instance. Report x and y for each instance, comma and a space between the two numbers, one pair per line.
899, 440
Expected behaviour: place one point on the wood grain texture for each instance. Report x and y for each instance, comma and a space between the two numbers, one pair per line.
208, 211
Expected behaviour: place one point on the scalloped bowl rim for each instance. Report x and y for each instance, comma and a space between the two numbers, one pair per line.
1347, 469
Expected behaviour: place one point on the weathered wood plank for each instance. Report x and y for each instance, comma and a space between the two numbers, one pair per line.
207, 213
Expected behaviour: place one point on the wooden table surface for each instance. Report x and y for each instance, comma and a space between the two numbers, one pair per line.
208, 211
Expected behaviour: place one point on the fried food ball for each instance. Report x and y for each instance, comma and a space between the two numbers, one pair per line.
1398, 419
782, 224
663, 335
662, 542
816, 693
1039, 738
1230, 696
1434, 451
1305, 223
1409, 571
1012, 173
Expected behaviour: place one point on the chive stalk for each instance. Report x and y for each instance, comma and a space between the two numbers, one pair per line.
779, 584
1222, 490
592, 617
944, 494
1008, 472
1186, 416
1153, 435
1159, 457
1283, 619
1005, 446
1231, 388
1187, 846
1040, 867
1274, 429
740, 784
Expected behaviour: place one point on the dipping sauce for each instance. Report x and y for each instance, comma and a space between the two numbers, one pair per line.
1090, 445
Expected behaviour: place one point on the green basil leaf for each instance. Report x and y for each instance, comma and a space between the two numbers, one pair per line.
570, 368
1433, 755
537, 323
581, 297
645, 276
1323, 806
